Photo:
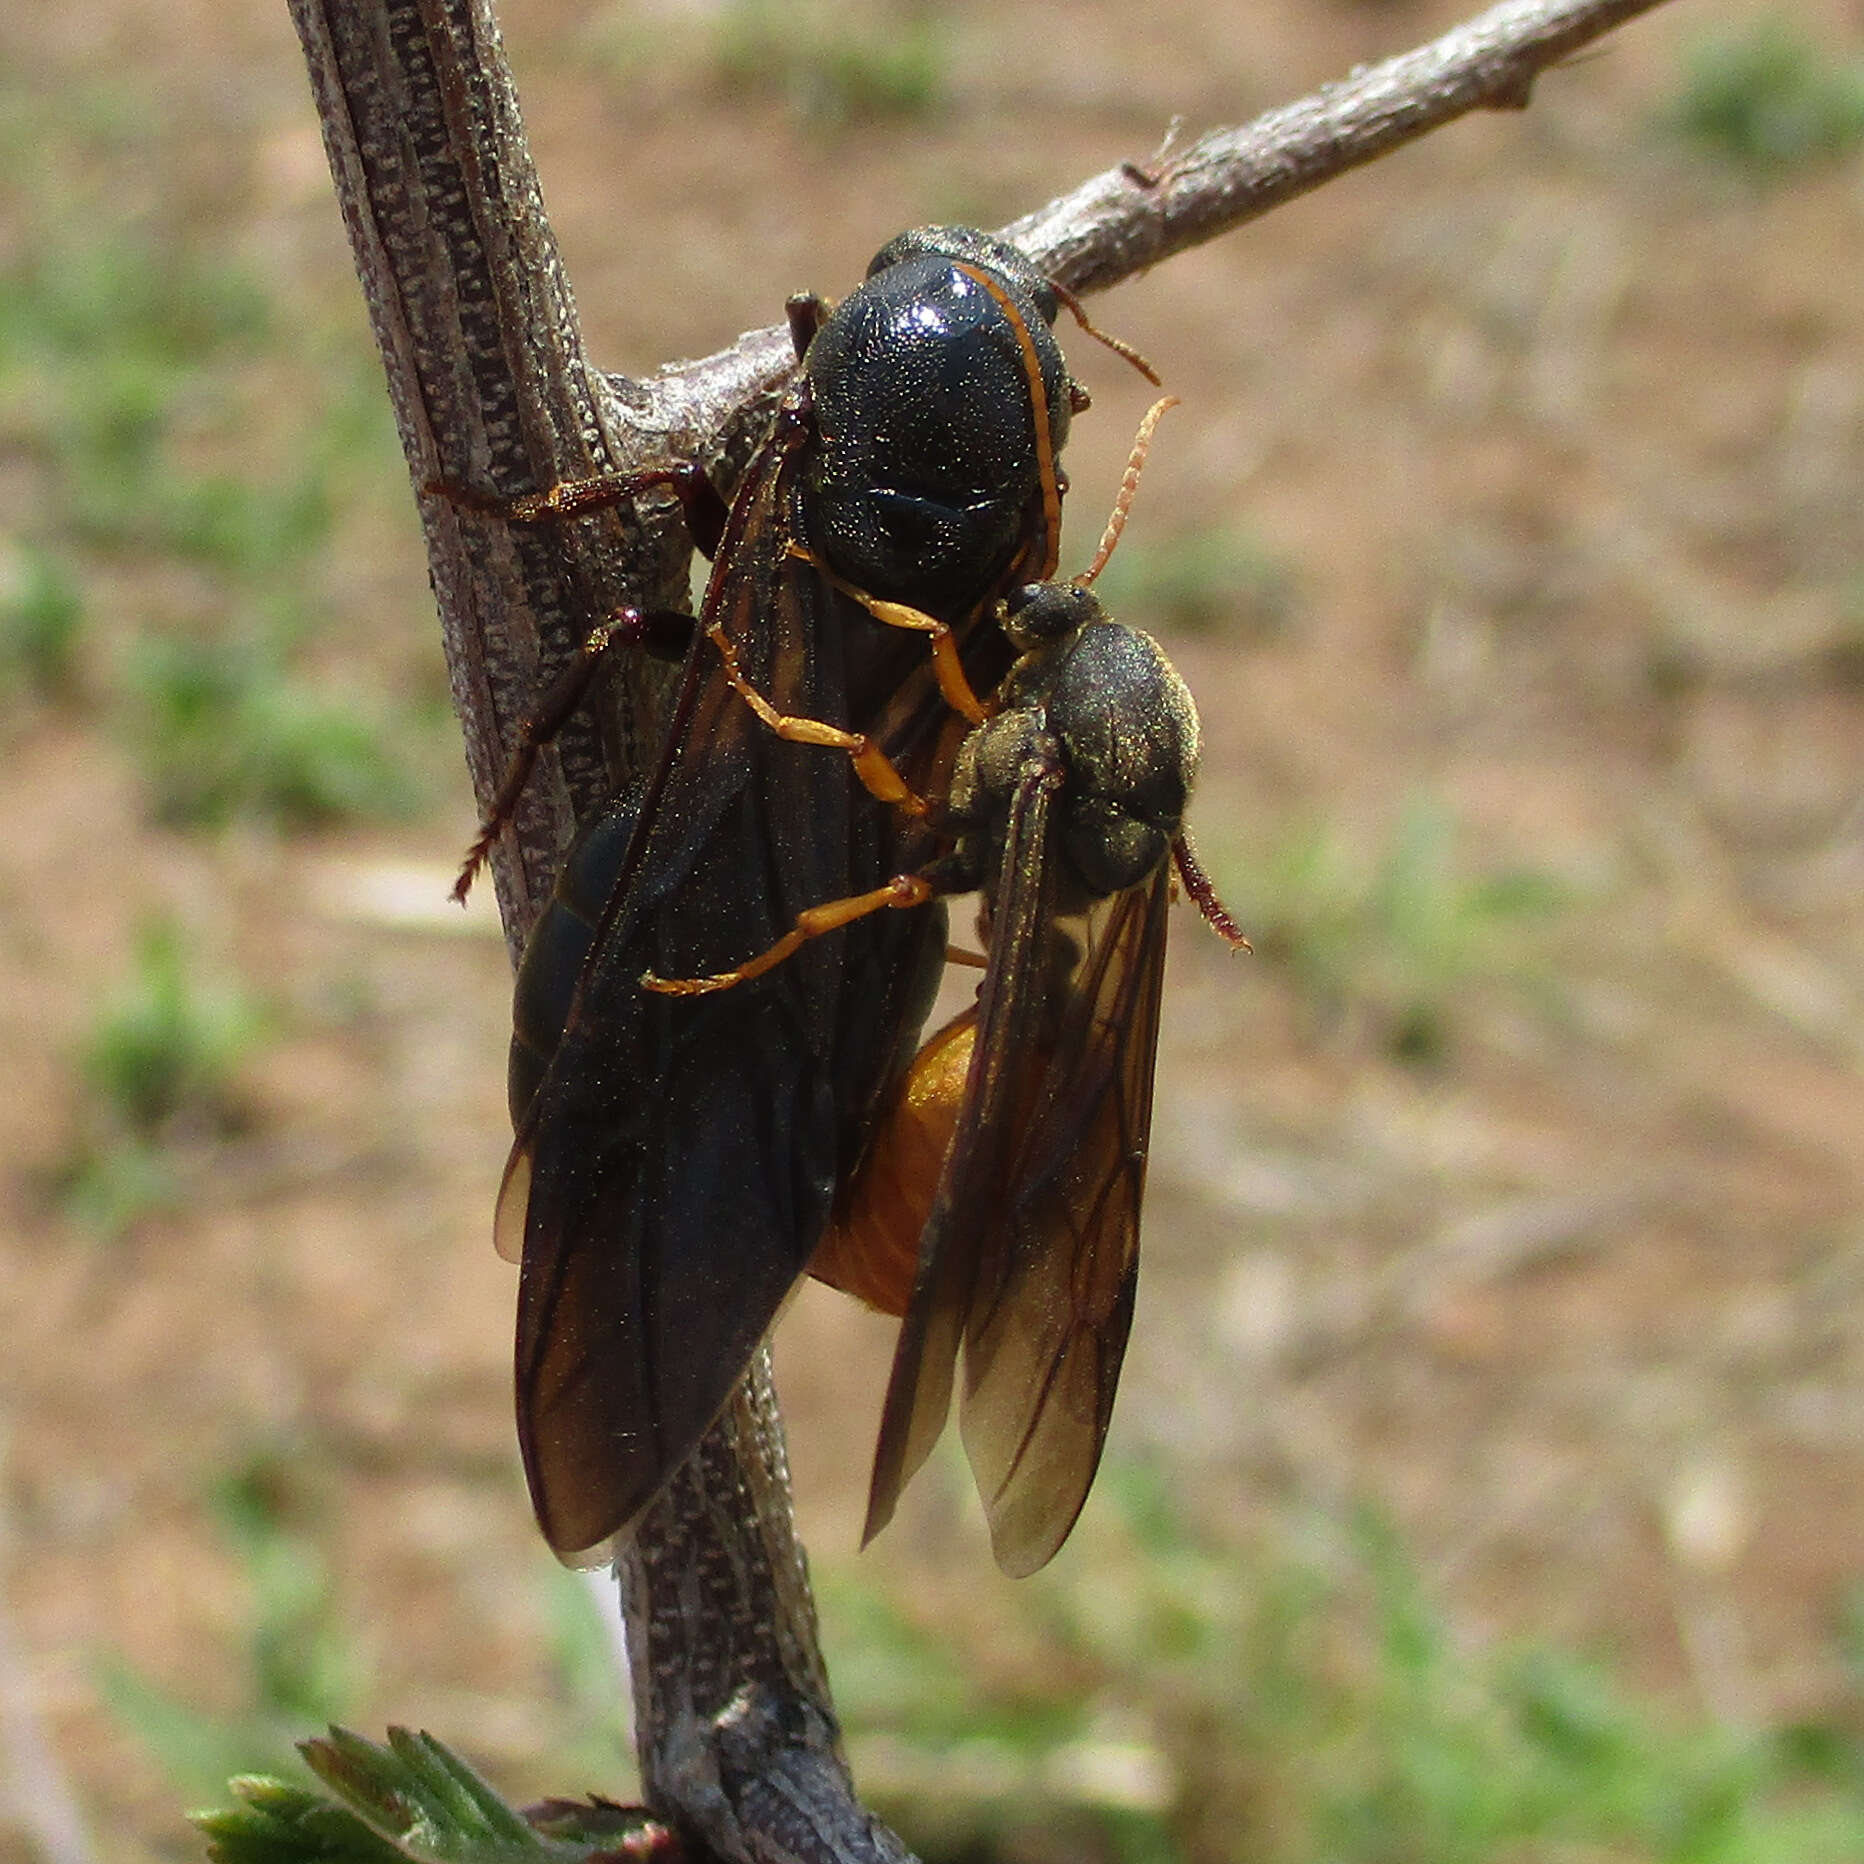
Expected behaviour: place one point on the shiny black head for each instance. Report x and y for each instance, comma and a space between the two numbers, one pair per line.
941, 401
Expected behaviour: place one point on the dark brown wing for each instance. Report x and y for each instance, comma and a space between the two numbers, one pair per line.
681, 1154
960, 1229
1030, 1255
1044, 1340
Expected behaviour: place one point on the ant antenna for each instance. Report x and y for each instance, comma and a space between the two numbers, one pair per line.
1129, 484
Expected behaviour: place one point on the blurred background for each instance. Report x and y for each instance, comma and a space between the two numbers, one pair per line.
1486, 1478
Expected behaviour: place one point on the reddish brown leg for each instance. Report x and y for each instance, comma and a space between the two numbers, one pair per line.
659, 631
700, 504
1119, 346
1203, 892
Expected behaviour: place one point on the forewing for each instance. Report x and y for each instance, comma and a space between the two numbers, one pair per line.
1046, 1331
680, 1156
961, 1231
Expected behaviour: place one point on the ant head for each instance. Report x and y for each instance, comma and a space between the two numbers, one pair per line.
1041, 614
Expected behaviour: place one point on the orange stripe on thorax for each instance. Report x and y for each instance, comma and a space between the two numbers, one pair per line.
1039, 404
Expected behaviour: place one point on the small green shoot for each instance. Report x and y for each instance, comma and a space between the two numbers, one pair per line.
113, 1181
1390, 946
41, 618
226, 730
411, 1802
167, 1049
158, 1067
1769, 97
302, 1667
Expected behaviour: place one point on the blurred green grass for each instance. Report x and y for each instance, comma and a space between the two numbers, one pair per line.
197, 451
833, 67
1383, 945
1179, 1701
1768, 97
1226, 583
1182, 1700
192, 455
304, 1667
158, 1070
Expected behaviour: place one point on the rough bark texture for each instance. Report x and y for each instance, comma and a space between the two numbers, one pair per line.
478, 331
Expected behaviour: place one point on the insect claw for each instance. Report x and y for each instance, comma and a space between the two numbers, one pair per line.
475, 860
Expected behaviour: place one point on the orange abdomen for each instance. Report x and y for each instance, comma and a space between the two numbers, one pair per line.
871, 1247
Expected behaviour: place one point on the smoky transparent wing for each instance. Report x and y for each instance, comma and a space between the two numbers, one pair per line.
1046, 1327
954, 1248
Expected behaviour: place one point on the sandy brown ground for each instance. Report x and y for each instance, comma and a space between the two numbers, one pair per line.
1562, 433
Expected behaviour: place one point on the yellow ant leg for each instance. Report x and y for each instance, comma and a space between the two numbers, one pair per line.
871, 764
902, 891
945, 662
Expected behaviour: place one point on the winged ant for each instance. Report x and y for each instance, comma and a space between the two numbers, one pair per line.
676, 1164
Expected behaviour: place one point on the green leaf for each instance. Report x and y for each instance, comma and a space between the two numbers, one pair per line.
276, 1823
411, 1800
425, 1799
